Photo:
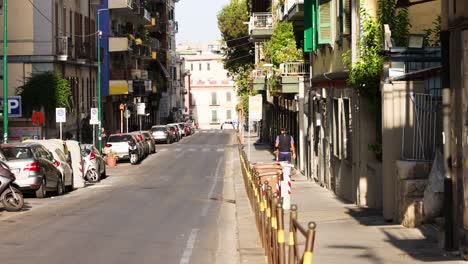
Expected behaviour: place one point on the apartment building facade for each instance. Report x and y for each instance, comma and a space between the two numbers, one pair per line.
53, 36
212, 98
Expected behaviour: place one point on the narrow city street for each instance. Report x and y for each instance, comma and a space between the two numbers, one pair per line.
178, 206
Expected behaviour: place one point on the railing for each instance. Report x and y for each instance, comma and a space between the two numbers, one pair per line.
258, 74
269, 216
295, 68
261, 21
141, 51
420, 140
62, 46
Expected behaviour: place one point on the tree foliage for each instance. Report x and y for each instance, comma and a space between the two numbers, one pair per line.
397, 19
46, 90
237, 49
432, 35
282, 45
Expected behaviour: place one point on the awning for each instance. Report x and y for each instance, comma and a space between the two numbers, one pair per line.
164, 70
118, 87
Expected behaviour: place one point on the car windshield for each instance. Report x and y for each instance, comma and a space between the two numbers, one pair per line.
155, 129
17, 153
120, 138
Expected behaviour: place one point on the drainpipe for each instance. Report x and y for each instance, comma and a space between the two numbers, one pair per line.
450, 200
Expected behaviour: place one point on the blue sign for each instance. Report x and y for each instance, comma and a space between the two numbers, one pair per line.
14, 106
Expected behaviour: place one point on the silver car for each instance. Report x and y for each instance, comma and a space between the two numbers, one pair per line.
34, 168
162, 134
96, 159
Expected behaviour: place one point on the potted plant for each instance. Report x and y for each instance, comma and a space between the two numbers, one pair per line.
111, 159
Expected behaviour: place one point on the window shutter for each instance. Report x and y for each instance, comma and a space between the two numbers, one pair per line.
324, 22
346, 14
310, 26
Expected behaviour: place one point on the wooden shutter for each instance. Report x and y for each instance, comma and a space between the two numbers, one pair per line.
324, 22
346, 17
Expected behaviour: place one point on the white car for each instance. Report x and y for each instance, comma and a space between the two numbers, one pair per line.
227, 125
119, 145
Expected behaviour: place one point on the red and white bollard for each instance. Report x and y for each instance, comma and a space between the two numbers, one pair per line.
286, 185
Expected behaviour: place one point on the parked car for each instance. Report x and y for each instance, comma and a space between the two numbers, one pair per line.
62, 160
162, 134
175, 132
119, 145
95, 161
141, 139
150, 140
180, 130
34, 168
227, 125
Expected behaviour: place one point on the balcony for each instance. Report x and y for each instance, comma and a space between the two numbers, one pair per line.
261, 26
141, 51
258, 80
292, 74
117, 44
293, 10
121, 4
62, 48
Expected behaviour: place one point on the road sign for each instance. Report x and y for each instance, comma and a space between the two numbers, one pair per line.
14, 106
94, 120
127, 113
141, 108
60, 115
38, 118
255, 108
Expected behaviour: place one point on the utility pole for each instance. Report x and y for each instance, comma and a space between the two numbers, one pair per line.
99, 100
5, 71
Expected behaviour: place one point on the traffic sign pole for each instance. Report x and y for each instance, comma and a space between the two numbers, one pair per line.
5, 71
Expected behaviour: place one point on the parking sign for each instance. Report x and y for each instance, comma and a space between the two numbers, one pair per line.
14, 106
94, 117
60, 115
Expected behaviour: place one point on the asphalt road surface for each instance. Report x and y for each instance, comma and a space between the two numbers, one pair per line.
177, 206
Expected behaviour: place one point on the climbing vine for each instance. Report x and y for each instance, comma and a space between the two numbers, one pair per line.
46, 90
397, 19
432, 35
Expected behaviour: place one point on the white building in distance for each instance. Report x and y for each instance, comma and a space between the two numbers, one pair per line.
212, 97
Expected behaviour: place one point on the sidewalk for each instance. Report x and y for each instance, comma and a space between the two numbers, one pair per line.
347, 233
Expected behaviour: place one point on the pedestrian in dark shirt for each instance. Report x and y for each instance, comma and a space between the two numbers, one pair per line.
285, 144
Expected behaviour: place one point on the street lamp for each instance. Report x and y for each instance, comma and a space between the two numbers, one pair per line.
5, 71
99, 99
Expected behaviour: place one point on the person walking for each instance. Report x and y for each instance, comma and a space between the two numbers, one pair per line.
285, 146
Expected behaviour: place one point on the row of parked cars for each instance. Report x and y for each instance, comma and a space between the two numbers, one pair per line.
136, 146
49, 166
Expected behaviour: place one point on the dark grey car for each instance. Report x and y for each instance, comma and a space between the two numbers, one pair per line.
34, 168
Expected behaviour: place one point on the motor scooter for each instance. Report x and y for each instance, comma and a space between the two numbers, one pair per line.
133, 153
90, 172
10, 195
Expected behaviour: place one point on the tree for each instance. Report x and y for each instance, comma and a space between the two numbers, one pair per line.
238, 51
282, 45
46, 90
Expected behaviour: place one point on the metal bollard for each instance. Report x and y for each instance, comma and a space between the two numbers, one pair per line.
280, 236
310, 241
286, 186
292, 234
274, 226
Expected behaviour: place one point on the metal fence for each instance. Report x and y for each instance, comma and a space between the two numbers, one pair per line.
422, 132
295, 68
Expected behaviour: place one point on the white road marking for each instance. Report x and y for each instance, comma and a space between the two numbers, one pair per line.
205, 209
189, 248
177, 149
162, 149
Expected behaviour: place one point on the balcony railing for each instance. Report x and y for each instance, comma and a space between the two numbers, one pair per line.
62, 48
261, 21
295, 68
256, 74
114, 4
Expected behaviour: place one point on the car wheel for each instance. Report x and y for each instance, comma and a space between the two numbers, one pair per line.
42, 192
133, 159
60, 187
104, 173
168, 141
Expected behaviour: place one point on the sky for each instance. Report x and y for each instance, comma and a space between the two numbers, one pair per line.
197, 20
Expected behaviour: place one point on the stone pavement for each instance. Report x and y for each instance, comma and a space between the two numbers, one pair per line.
347, 233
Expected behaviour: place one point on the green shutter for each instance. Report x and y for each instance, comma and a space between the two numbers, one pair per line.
310, 40
324, 22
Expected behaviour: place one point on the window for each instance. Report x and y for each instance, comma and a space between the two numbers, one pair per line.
228, 97
191, 66
192, 99
207, 66
214, 98
199, 67
214, 116
324, 21
228, 115
342, 118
